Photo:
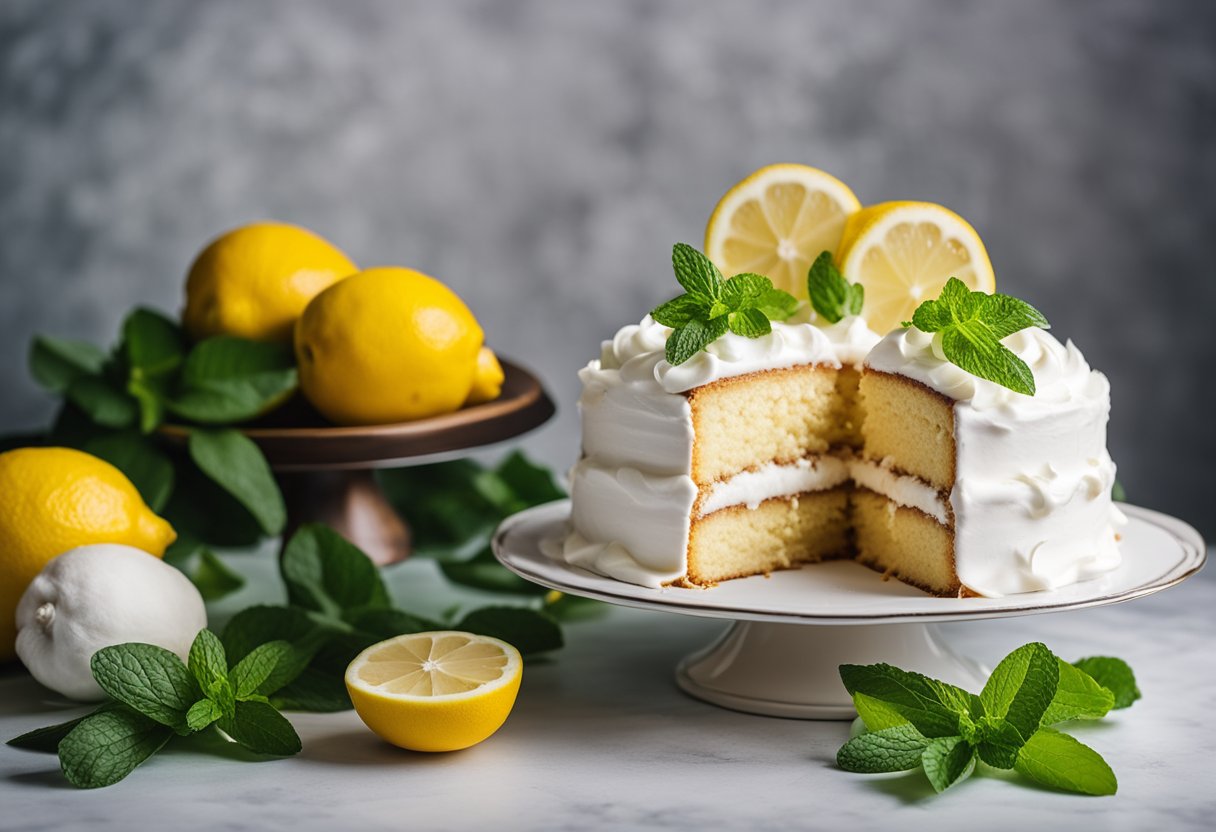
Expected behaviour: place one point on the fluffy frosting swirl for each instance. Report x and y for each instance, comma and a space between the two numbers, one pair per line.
1061, 373
637, 351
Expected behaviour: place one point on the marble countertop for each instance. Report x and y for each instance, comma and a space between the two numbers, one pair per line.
602, 739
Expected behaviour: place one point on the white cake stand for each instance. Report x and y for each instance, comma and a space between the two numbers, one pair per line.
794, 628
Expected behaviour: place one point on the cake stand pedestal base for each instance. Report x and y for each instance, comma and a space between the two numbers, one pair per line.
351, 503
791, 670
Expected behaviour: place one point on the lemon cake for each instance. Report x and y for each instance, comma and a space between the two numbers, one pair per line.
749, 459
739, 429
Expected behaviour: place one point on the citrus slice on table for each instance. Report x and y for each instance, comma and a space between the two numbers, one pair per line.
904, 252
777, 221
439, 691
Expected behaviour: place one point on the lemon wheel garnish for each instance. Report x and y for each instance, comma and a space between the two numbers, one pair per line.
904, 252
439, 691
777, 221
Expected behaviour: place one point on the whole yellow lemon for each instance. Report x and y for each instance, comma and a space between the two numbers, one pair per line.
254, 281
56, 499
387, 345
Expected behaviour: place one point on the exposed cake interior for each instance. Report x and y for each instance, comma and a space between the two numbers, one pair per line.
768, 453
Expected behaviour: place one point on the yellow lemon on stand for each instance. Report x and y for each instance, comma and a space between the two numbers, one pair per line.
254, 281
439, 691
487, 381
56, 499
387, 345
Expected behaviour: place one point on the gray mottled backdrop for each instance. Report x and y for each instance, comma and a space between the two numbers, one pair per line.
542, 157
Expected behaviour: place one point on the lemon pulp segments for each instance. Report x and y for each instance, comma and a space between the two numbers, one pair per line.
438, 691
433, 665
777, 221
904, 252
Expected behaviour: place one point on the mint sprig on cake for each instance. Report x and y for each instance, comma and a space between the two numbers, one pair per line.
711, 305
972, 325
832, 296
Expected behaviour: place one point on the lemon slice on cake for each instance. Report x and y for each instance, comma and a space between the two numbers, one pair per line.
777, 221
438, 691
904, 252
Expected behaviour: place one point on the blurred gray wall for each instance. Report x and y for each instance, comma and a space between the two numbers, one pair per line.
542, 157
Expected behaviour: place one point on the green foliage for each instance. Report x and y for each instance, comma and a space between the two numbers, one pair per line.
232, 461
155, 695
972, 325
832, 296
710, 306
909, 718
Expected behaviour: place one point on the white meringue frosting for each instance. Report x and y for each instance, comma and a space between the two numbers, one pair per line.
1032, 493
1031, 503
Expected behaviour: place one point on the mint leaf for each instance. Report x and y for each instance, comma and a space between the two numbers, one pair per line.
212, 576
226, 379
1078, 696
251, 673
47, 739
152, 343
890, 749
106, 747
932, 706
202, 713
1058, 760
679, 311
57, 362
830, 294
103, 403
947, 761
1113, 674
314, 691
877, 714
744, 291
531, 484
485, 572
857, 298
144, 464
971, 346
1022, 687
750, 323
696, 273
1006, 315
972, 325
207, 661
259, 727
528, 631
688, 340
236, 464
777, 304
257, 625
386, 623
147, 679
326, 573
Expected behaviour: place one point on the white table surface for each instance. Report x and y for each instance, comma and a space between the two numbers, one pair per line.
601, 738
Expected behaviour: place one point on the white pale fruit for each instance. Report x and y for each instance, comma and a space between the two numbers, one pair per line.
97, 596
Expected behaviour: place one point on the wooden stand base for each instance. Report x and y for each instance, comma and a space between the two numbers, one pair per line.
353, 504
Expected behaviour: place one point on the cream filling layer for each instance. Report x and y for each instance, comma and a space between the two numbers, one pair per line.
906, 490
633, 526
751, 488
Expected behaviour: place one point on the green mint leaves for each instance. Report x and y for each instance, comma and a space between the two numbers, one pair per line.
972, 325
913, 721
711, 306
832, 297
155, 696
338, 606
